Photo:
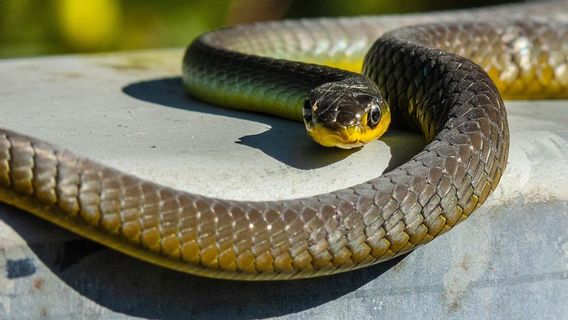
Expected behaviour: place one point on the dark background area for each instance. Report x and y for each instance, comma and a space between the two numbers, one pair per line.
43, 27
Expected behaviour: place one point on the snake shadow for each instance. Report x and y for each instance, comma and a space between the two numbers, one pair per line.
136, 288
285, 140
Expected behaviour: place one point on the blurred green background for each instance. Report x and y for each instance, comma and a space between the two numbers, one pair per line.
40, 27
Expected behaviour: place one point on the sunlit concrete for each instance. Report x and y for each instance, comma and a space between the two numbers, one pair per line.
129, 111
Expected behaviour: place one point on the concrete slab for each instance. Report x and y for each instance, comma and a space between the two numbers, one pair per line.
129, 110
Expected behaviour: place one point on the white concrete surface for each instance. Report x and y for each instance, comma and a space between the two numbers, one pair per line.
129, 110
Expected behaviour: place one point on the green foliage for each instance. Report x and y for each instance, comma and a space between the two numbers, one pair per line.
39, 27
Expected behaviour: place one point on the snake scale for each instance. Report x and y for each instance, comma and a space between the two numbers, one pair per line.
424, 75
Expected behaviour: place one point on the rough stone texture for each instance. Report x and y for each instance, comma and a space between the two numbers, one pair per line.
129, 111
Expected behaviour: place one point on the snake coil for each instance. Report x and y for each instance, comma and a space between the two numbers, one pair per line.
448, 98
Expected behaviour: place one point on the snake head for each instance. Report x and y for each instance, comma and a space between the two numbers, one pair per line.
346, 113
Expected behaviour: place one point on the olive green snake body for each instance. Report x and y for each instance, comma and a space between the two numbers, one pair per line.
451, 100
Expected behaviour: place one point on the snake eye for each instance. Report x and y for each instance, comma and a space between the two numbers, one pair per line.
374, 116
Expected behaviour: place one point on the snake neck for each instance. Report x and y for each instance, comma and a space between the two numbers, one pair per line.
214, 73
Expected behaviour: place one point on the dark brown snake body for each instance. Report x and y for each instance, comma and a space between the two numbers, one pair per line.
450, 99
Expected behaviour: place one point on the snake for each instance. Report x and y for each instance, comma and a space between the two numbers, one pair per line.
348, 79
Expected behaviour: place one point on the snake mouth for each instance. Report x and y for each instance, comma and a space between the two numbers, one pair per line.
341, 138
347, 137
